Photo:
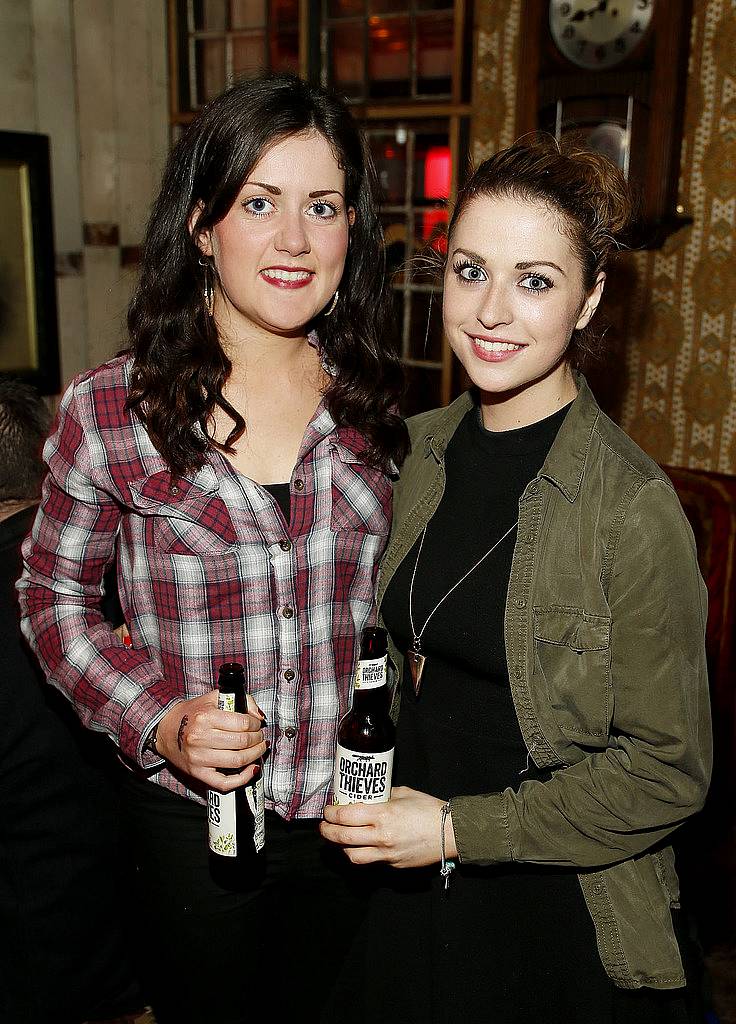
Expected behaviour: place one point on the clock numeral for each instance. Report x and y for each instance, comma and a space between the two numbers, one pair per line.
581, 46
600, 53
569, 32
636, 27
620, 45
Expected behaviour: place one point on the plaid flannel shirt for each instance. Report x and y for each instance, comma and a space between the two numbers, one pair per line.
208, 572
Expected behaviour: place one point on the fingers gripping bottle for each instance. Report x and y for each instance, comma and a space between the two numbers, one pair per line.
366, 734
236, 820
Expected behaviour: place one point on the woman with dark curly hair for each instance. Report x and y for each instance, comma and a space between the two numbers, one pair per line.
237, 460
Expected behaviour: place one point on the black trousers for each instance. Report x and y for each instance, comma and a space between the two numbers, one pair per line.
210, 956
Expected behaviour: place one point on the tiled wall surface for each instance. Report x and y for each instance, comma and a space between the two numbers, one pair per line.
91, 74
670, 376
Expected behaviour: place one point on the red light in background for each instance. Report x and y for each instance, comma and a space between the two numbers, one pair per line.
437, 172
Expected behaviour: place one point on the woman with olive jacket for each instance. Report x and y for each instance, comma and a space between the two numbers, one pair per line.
542, 593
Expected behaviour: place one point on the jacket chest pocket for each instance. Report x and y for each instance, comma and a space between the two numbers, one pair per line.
572, 658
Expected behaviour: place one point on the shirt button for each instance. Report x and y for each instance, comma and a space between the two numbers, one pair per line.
285, 545
298, 485
289, 674
173, 489
287, 612
290, 733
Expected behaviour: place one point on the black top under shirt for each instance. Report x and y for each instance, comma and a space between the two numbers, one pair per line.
465, 688
282, 494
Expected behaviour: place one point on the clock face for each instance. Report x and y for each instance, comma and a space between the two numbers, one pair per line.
599, 33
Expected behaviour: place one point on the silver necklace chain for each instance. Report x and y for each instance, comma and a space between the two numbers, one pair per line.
418, 636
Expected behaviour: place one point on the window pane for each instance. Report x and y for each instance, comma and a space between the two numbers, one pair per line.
390, 159
430, 229
424, 390
394, 235
432, 5
389, 69
345, 8
387, 7
425, 326
209, 56
346, 59
284, 51
249, 54
434, 54
247, 13
432, 167
210, 15
284, 12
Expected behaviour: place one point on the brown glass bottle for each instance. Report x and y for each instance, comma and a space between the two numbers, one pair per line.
366, 734
236, 820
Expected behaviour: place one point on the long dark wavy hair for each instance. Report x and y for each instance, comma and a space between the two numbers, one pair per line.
180, 367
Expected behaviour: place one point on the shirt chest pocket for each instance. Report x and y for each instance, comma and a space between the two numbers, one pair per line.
572, 655
182, 519
361, 495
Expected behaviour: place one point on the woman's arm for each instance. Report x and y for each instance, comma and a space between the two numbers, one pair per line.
115, 689
618, 802
614, 803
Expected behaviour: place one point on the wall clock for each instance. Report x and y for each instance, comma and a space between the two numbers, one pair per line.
614, 73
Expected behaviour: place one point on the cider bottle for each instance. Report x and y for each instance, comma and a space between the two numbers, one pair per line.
366, 734
236, 820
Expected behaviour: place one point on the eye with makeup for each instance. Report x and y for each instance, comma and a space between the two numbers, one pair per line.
536, 283
469, 272
258, 206
322, 210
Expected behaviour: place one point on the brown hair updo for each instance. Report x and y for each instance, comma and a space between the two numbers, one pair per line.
586, 188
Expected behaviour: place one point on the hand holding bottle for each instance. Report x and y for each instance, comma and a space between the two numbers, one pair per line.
198, 738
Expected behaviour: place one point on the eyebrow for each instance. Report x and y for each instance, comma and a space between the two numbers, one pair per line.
524, 265
528, 264
275, 191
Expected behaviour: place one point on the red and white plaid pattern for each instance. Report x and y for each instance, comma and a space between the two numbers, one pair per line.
208, 572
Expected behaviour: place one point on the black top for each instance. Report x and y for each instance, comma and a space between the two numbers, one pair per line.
282, 495
465, 676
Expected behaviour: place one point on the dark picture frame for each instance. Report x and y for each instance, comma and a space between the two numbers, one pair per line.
29, 332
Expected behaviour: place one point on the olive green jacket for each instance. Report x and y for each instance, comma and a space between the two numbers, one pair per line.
604, 625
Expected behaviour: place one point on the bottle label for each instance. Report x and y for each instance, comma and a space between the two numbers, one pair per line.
222, 810
370, 674
362, 778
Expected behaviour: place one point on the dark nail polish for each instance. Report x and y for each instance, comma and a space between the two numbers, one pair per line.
256, 770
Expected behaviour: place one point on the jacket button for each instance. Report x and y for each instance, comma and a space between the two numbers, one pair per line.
520, 602
285, 545
287, 611
289, 674
298, 485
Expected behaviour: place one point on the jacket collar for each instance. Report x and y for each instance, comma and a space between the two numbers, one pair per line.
565, 462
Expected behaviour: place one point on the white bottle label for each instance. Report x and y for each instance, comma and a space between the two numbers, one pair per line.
370, 674
222, 811
362, 778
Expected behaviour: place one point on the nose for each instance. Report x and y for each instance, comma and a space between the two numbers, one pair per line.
495, 307
291, 236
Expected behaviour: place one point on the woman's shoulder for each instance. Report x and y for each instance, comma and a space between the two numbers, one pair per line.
619, 446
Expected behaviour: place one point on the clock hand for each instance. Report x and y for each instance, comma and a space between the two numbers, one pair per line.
582, 15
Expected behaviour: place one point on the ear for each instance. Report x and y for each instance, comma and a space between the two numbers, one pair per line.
591, 302
351, 215
202, 239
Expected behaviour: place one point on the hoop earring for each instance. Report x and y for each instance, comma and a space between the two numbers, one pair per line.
335, 297
208, 289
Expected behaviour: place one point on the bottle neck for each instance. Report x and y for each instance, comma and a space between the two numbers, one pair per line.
375, 697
